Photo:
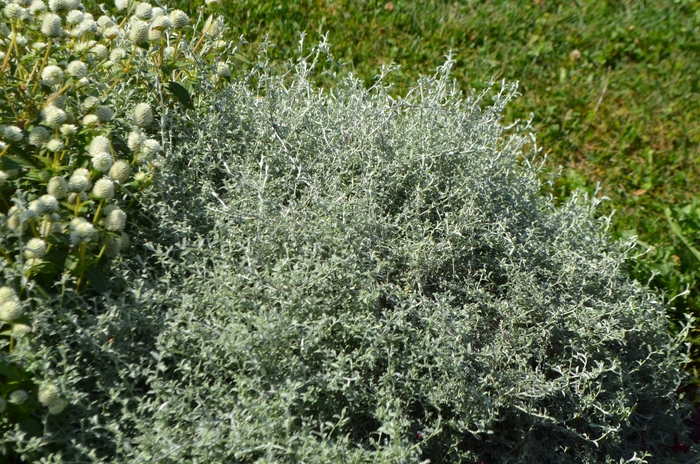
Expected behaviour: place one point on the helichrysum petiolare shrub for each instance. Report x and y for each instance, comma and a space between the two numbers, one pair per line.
315, 276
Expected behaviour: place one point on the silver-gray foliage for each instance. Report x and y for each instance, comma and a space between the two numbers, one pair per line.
341, 276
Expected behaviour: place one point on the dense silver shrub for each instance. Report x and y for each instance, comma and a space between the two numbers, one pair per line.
342, 276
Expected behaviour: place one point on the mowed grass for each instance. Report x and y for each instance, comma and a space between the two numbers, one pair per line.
613, 87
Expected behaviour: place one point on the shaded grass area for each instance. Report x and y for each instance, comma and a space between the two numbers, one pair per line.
613, 87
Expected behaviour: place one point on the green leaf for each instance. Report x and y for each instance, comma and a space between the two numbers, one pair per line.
97, 280
181, 94
240, 57
14, 162
676, 229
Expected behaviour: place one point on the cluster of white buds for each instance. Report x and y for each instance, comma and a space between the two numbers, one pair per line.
11, 308
50, 396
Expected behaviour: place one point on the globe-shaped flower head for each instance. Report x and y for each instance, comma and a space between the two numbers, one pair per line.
102, 161
53, 116
179, 19
99, 144
48, 393
38, 136
105, 113
52, 75
115, 218
58, 187
143, 11
139, 31
120, 171
12, 133
77, 69
18, 397
143, 115
51, 25
104, 189
11, 310
35, 248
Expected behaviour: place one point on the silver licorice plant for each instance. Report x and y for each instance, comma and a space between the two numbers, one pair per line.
287, 273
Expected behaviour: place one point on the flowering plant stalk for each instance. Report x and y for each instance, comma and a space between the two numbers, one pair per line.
84, 104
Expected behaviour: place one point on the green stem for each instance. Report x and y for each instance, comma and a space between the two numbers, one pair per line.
43, 64
97, 213
9, 49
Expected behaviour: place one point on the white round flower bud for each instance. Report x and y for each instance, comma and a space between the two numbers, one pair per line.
37, 6
58, 5
51, 25
168, 53
88, 24
77, 69
115, 219
121, 4
52, 75
14, 11
57, 406
100, 51
11, 310
58, 187
82, 232
38, 136
48, 394
143, 11
74, 17
90, 120
179, 19
223, 70
54, 145
3, 177
104, 189
78, 183
20, 330
105, 21
139, 31
151, 147
105, 113
161, 23
35, 248
212, 27
68, 129
54, 116
13, 223
117, 54
136, 140
154, 35
13, 133
111, 32
7, 294
47, 204
89, 103
143, 115
102, 161
99, 144
120, 171
18, 397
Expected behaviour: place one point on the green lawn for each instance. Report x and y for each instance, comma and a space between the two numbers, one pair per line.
613, 87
